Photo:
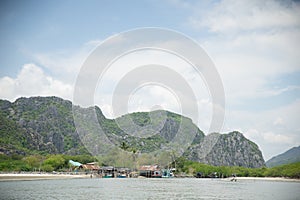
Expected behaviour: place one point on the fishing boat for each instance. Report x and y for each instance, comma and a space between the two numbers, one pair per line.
122, 172
168, 173
108, 176
107, 172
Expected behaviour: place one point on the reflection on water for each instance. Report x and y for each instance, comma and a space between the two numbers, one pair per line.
149, 189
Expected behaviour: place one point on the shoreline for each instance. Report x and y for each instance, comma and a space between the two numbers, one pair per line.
279, 179
44, 176
267, 179
49, 176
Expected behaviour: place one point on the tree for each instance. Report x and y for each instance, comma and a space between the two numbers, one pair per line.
124, 146
34, 161
47, 168
55, 161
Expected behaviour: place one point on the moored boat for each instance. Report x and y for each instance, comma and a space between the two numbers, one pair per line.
168, 173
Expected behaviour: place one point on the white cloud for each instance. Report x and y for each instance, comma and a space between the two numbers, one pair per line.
272, 142
7, 88
269, 137
250, 68
278, 91
274, 130
232, 16
254, 44
277, 138
149, 95
278, 121
32, 81
65, 64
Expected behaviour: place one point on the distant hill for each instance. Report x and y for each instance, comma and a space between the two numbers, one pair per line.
45, 125
290, 156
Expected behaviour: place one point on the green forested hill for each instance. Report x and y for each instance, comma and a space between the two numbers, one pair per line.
12, 136
45, 125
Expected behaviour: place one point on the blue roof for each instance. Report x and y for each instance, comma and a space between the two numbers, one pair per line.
76, 164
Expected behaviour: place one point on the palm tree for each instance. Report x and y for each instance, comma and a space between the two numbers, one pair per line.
124, 146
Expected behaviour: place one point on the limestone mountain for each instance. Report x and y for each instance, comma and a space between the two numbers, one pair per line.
46, 125
231, 149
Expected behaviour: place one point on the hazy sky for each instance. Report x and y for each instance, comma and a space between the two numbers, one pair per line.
254, 45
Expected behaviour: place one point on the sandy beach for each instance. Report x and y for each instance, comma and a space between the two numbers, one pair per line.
28, 177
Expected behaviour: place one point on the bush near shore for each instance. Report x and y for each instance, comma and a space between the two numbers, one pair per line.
46, 163
191, 167
59, 162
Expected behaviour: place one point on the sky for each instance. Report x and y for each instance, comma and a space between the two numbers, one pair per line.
253, 44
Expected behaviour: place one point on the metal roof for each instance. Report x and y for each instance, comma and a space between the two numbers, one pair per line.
74, 163
149, 168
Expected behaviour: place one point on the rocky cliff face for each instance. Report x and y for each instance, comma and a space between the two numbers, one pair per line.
231, 149
46, 125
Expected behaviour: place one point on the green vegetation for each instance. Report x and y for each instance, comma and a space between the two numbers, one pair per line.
11, 136
47, 163
190, 167
140, 118
59, 162
288, 170
45, 126
13, 163
38, 125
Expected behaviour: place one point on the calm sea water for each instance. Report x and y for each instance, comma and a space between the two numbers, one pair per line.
149, 189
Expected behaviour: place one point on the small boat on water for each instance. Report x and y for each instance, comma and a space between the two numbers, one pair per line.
107, 172
122, 176
168, 173
123, 172
107, 176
